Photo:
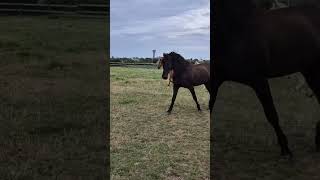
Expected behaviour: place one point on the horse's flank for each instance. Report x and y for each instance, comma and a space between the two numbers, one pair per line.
251, 46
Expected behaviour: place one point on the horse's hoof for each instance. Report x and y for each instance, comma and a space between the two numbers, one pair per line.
287, 155
286, 159
168, 112
309, 95
199, 110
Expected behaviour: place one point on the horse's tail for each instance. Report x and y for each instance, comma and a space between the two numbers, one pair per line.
317, 138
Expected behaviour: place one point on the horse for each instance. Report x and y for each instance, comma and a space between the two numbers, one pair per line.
186, 75
251, 46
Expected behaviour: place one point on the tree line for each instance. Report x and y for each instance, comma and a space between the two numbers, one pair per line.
147, 60
260, 3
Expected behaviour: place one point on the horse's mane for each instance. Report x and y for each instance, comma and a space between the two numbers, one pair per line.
178, 58
230, 11
232, 20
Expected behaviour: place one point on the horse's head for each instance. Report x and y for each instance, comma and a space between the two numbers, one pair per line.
167, 64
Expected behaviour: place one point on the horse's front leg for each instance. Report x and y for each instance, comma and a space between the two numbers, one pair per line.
175, 92
194, 96
263, 92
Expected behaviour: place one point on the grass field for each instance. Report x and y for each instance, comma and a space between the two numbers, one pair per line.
245, 145
53, 98
146, 143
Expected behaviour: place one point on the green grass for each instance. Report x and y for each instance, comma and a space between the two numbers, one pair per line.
245, 145
53, 98
146, 143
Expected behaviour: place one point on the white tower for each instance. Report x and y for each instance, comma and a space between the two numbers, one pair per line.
154, 54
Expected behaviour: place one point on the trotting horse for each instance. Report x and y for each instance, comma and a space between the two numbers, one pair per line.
186, 75
250, 46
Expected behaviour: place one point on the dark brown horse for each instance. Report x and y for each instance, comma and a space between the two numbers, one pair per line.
186, 75
250, 46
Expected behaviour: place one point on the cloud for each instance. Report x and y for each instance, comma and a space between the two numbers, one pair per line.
187, 27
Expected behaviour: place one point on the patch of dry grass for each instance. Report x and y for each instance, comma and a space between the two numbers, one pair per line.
52, 119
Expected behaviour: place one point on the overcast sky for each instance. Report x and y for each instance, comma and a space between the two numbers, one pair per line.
138, 26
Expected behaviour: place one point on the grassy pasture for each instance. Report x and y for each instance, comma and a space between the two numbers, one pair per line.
53, 98
245, 145
146, 143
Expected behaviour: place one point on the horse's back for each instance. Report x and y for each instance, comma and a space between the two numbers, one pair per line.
291, 38
200, 74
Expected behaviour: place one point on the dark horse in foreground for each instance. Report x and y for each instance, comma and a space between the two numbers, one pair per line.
250, 46
185, 74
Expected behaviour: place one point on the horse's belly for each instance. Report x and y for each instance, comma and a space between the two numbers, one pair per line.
288, 63
200, 82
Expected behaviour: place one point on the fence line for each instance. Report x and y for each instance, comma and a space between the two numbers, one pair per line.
81, 9
131, 64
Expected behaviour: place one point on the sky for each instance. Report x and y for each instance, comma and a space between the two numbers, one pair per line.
139, 26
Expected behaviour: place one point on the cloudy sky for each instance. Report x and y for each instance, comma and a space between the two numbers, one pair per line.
138, 26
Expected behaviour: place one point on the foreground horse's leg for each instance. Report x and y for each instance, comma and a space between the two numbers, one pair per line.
175, 92
214, 92
313, 80
208, 87
262, 90
191, 89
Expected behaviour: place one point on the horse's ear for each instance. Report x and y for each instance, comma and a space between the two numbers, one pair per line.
165, 54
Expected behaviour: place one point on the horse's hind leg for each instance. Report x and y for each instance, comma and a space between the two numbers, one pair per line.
194, 97
262, 90
313, 80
